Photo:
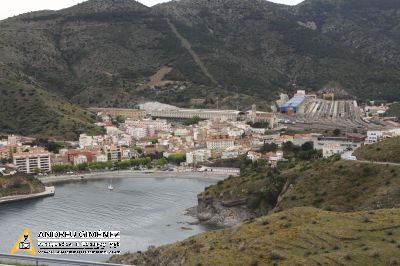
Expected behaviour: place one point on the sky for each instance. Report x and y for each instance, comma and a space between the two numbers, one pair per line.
11, 8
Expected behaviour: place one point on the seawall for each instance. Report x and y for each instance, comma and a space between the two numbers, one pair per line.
49, 191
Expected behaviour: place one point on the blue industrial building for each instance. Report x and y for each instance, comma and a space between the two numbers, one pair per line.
292, 105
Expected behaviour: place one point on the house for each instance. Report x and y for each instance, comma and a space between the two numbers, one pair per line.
220, 142
197, 156
330, 149
80, 159
253, 156
114, 153
101, 157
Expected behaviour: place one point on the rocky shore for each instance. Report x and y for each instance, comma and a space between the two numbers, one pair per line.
219, 213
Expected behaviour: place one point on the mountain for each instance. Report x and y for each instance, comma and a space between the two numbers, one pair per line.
119, 53
299, 236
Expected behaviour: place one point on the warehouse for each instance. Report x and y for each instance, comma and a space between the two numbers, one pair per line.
293, 105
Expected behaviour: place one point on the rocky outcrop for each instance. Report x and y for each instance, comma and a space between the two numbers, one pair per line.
220, 213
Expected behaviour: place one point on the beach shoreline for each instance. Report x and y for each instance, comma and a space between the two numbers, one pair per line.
132, 174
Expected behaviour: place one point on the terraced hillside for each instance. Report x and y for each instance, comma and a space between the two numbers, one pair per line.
299, 236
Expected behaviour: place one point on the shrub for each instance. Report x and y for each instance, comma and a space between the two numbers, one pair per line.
393, 261
375, 254
275, 255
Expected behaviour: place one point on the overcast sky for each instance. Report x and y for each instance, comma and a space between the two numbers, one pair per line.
15, 7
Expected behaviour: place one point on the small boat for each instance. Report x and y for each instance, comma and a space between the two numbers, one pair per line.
110, 186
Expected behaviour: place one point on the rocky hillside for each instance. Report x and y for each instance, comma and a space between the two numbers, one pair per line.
384, 151
299, 236
119, 53
19, 185
328, 184
29, 110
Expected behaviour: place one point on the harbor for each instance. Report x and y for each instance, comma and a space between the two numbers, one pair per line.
148, 209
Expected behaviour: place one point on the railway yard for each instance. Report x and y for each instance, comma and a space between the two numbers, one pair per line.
318, 114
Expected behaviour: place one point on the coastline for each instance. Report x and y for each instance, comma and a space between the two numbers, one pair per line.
132, 174
48, 192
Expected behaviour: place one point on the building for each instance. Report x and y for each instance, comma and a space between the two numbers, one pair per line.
220, 142
85, 141
32, 162
137, 133
335, 145
125, 113
207, 114
197, 156
253, 156
5, 153
12, 140
101, 157
72, 154
80, 159
158, 124
114, 153
262, 117
220, 170
330, 149
294, 105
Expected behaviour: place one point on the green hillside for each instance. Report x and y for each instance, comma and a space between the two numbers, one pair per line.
394, 110
41, 112
384, 151
19, 185
341, 186
299, 236
104, 53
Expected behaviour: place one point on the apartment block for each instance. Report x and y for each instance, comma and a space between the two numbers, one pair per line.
31, 162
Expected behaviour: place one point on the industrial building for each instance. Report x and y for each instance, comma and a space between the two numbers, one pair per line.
294, 105
191, 113
125, 113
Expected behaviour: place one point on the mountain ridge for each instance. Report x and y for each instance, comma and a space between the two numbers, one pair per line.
213, 48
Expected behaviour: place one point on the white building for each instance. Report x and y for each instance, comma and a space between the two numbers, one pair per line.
157, 125
80, 159
220, 142
180, 132
85, 141
31, 162
197, 156
137, 133
208, 114
329, 143
373, 136
253, 156
101, 158
330, 149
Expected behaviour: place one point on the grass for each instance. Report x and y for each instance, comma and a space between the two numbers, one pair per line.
342, 186
29, 110
19, 185
394, 110
384, 151
299, 236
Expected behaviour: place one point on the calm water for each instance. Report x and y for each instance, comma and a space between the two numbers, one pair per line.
147, 211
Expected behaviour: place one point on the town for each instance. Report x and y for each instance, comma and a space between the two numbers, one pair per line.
169, 138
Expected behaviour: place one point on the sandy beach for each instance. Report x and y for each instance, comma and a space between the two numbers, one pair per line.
131, 174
